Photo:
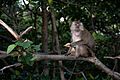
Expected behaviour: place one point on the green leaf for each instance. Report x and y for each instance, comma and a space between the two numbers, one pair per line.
36, 47
33, 59
17, 72
10, 48
50, 2
19, 43
27, 59
91, 76
25, 44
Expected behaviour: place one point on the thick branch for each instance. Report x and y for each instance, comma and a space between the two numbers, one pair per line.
17, 37
56, 57
93, 60
3, 54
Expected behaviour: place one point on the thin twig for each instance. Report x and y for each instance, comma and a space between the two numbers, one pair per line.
73, 70
116, 57
84, 75
9, 66
26, 31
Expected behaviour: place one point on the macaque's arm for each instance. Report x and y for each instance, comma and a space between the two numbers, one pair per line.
81, 42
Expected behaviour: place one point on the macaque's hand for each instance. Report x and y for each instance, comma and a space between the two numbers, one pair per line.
68, 45
71, 50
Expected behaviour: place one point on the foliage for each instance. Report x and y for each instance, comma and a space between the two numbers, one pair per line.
24, 50
101, 18
10, 48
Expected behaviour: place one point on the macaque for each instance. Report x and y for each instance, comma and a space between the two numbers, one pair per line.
81, 35
82, 40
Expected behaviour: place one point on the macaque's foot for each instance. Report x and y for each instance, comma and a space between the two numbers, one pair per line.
84, 56
93, 55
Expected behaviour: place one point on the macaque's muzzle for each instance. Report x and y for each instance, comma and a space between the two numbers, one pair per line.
77, 33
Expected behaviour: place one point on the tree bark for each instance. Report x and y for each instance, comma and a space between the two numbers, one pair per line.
45, 35
55, 34
17, 37
93, 60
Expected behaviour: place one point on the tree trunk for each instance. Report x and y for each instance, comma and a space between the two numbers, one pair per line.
45, 35
55, 35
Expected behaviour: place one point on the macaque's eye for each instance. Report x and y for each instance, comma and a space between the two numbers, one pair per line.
77, 25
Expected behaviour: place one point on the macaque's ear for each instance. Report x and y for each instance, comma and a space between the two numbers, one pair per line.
81, 27
78, 21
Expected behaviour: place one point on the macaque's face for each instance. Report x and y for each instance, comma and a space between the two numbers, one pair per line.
76, 29
77, 26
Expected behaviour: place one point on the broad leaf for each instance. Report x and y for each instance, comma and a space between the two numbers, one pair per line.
33, 59
25, 44
10, 48
36, 47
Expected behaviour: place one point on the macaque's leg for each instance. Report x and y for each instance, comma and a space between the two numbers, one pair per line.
71, 52
83, 51
77, 53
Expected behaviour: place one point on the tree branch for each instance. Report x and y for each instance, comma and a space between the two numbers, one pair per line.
93, 60
116, 57
3, 54
26, 31
17, 37
9, 66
